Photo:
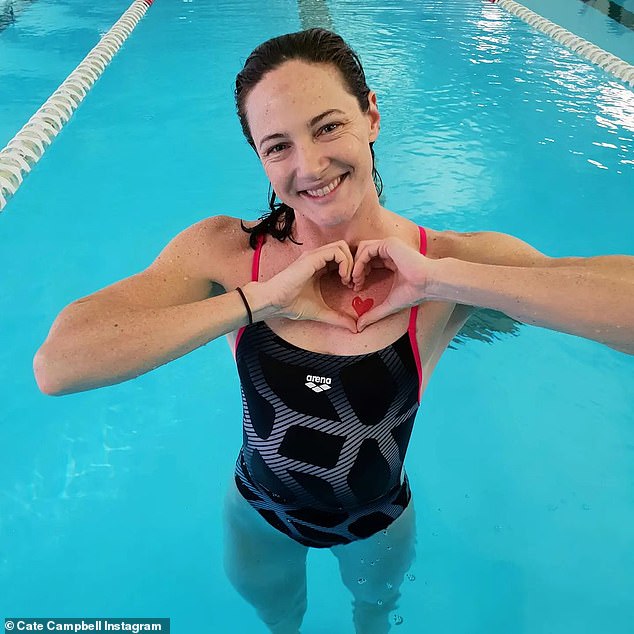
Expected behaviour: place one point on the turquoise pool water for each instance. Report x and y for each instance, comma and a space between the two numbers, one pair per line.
522, 460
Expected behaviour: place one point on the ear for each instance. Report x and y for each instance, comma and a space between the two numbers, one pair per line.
373, 116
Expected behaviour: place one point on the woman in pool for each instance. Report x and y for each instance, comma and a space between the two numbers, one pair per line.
340, 312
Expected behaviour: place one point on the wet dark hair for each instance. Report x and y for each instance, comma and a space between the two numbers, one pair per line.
318, 46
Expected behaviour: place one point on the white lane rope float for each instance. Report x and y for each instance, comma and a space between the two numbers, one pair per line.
607, 61
27, 147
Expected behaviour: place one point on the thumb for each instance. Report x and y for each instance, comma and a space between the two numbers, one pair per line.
334, 318
375, 314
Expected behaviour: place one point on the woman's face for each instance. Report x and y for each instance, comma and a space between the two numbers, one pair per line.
313, 140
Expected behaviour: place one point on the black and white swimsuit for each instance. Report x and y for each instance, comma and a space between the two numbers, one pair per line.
325, 436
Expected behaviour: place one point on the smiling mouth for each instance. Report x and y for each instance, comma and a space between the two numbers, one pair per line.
324, 192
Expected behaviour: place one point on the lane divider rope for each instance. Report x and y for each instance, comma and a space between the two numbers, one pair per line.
607, 61
27, 147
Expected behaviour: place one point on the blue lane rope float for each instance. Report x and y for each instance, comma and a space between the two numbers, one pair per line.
607, 61
27, 147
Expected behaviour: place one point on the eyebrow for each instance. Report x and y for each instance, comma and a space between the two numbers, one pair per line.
311, 123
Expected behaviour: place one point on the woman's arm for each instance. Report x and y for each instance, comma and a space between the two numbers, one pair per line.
141, 322
593, 298
166, 311
588, 297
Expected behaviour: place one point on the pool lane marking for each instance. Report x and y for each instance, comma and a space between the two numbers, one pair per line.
27, 147
607, 61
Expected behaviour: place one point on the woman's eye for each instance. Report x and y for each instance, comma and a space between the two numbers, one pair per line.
329, 127
275, 149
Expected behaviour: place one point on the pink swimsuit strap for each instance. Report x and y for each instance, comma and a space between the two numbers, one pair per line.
413, 315
255, 267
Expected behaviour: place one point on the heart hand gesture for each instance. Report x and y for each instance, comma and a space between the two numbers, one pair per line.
411, 276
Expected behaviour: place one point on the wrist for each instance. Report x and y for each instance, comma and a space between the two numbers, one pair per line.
259, 301
446, 280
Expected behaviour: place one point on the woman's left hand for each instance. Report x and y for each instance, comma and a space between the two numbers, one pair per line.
412, 272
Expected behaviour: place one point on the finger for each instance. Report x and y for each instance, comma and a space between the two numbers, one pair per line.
343, 257
337, 253
360, 272
344, 262
360, 282
374, 255
366, 251
345, 270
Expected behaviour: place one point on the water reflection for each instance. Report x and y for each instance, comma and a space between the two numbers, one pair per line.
491, 36
7, 16
315, 13
617, 104
613, 10
486, 325
10, 12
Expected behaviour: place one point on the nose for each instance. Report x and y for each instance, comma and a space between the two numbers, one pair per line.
310, 161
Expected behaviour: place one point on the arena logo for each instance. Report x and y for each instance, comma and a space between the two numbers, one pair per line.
318, 383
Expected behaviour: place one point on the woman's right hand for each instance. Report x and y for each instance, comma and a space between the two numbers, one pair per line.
295, 293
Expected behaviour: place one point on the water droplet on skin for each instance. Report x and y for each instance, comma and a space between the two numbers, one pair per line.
385, 531
398, 619
410, 576
363, 561
361, 581
379, 602
586, 507
388, 585
389, 548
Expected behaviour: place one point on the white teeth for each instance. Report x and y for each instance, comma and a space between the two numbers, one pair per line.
325, 190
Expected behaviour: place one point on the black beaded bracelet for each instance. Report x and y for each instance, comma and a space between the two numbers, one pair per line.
246, 305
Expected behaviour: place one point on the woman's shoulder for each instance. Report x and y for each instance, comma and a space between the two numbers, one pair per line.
488, 247
224, 233
222, 225
216, 247
437, 242
448, 243
445, 244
